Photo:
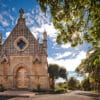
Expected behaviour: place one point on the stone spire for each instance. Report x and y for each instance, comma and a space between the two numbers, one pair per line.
21, 11
21, 20
45, 40
45, 35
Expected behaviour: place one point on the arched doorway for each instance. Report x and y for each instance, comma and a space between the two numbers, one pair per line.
22, 80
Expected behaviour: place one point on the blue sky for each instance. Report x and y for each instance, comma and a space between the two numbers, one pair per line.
63, 55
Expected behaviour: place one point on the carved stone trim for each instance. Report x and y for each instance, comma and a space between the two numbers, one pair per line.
36, 58
17, 40
4, 59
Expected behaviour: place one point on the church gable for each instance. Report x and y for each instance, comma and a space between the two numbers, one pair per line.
21, 41
23, 61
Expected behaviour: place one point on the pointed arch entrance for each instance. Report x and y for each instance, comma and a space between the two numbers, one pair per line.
21, 77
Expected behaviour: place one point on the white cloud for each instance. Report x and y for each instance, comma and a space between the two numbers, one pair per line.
60, 80
69, 64
3, 21
35, 16
6, 18
49, 28
13, 9
7, 34
40, 22
66, 45
60, 56
51, 31
29, 19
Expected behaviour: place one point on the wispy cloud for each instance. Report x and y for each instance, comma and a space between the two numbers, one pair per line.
3, 21
7, 34
40, 22
62, 55
8, 16
37, 18
49, 28
2, 5
69, 64
13, 9
64, 46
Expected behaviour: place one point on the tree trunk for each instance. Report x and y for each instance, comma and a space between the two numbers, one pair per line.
52, 83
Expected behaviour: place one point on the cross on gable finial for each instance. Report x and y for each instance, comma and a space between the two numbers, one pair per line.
21, 11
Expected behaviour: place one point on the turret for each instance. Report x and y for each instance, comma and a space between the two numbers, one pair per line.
45, 40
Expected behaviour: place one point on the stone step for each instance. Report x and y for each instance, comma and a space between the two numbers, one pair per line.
17, 94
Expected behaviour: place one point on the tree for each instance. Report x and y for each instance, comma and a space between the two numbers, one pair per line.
55, 72
86, 85
91, 65
78, 21
73, 84
63, 73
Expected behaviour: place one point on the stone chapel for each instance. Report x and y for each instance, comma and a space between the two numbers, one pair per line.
23, 60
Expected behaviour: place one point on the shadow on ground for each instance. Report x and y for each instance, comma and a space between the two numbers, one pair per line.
5, 97
8, 97
94, 96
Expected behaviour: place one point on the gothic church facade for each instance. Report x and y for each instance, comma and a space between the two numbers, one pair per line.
23, 60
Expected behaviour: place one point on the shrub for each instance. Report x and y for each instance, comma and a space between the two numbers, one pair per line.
60, 90
1, 88
42, 90
35, 90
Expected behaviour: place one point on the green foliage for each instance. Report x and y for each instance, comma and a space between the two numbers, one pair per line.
76, 20
63, 73
53, 70
86, 85
56, 71
91, 65
42, 90
60, 90
61, 87
1, 88
73, 84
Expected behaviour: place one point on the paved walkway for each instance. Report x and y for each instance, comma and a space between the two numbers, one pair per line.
12, 94
25, 95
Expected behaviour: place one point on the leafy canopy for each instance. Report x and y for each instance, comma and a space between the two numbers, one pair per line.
73, 84
91, 65
56, 71
86, 84
78, 21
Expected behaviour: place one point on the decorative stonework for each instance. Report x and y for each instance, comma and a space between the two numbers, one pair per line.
23, 61
21, 43
4, 59
36, 59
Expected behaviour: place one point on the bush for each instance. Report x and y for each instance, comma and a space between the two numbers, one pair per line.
1, 88
62, 85
60, 90
42, 90
35, 90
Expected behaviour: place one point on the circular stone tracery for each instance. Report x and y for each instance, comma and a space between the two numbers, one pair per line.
21, 43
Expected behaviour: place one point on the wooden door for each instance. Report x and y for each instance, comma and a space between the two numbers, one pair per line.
22, 80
